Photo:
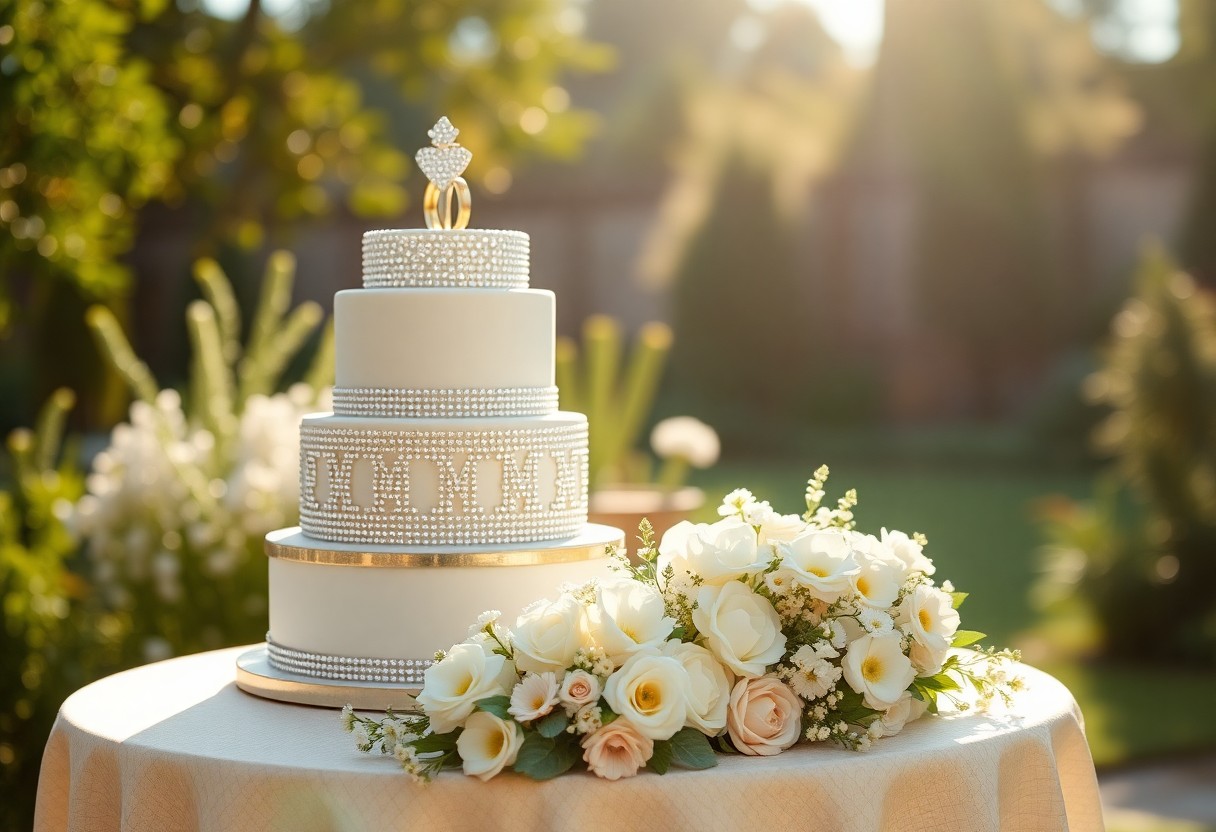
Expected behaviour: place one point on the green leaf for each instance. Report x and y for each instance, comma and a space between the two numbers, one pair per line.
496, 705
690, 749
958, 598
435, 742
936, 683
542, 758
678, 633
553, 724
660, 760
964, 637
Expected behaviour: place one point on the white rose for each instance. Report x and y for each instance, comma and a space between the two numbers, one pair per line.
616, 750
907, 709
547, 634
765, 717
927, 614
651, 692
488, 744
579, 688
741, 628
820, 560
908, 551
876, 667
627, 616
451, 687
781, 528
709, 686
717, 553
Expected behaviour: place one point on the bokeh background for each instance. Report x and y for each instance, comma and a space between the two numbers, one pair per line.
963, 251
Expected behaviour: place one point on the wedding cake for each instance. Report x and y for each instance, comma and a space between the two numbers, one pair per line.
446, 481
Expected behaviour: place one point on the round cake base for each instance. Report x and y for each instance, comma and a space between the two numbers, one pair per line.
256, 675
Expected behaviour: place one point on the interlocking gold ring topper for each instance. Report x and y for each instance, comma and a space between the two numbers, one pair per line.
443, 163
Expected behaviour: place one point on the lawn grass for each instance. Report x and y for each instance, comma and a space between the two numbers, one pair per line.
979, 522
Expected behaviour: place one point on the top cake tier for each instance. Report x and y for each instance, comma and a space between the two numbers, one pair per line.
431, 258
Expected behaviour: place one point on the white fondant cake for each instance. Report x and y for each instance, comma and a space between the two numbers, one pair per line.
446, 481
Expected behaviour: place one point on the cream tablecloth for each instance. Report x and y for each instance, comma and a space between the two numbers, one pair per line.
176, 746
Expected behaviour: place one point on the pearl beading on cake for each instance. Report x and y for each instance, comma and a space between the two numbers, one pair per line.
423, 404
348, 668
467, 258
515, 512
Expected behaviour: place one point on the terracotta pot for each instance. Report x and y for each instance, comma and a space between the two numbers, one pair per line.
624, 506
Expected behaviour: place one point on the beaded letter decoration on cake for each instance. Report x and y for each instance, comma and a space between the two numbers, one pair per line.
443, 164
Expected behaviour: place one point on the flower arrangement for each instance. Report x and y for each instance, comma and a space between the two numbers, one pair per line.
746, 635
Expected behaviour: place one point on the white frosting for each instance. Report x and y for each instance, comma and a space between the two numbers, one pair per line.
443, 338
402, 613
435, 481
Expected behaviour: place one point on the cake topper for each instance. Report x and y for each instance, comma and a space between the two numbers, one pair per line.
443, 164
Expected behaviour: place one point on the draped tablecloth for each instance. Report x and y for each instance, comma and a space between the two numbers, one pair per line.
176, 746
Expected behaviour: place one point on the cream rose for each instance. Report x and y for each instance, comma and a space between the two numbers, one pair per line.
709, 686
616, 750
579, 688
764, 717
876, 667
740, 628
821, 561
651, 691
488, 744
451, 687
547, 634
717, 553
627, 616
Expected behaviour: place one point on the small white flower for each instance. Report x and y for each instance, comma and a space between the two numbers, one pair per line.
362, 741
736, 502
348, 718
839, 634
587, 720
535, 696
875, 621
484, 620
947, 585
687, 438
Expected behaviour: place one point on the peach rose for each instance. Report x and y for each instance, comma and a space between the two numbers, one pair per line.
616, 750
764, 717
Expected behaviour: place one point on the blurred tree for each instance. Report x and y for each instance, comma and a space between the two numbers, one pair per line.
1159, 381
969, 101
252, 123
1196, 63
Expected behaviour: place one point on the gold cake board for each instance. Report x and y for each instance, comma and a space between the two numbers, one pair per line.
255, 674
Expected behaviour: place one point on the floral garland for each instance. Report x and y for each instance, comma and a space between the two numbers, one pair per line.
745, 635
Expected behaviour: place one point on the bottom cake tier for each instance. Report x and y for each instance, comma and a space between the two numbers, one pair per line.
378, 613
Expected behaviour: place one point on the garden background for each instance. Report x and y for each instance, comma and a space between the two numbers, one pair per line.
963, 251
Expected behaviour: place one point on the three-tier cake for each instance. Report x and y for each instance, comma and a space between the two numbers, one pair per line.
446, 481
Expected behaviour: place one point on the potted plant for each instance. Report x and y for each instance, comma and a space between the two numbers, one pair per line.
618, 395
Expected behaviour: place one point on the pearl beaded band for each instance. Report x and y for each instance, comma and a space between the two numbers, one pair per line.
468, 258
350, 668
423, 404
511, 513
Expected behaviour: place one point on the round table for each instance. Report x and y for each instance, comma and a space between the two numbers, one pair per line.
176, 746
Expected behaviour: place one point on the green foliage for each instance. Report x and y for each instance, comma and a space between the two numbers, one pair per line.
254, 121
496, 705
617, 402
554, 724
691, 749
52, 640
543, 758
1147, 541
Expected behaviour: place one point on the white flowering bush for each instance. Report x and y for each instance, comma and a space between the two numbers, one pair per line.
748, 635
178, 503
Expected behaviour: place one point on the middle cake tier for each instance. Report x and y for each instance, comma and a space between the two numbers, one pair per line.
453, 481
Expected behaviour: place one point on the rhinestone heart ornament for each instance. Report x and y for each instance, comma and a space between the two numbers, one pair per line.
446, 160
